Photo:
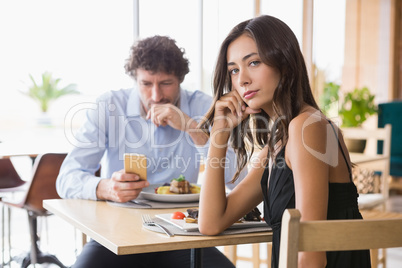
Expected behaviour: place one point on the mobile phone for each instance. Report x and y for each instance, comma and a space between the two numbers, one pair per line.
136, 163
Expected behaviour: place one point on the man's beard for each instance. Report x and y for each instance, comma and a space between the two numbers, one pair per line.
163, 101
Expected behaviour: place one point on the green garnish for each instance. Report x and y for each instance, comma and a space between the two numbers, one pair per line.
180, 178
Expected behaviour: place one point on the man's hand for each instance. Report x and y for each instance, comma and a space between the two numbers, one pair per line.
122, 187
168, 114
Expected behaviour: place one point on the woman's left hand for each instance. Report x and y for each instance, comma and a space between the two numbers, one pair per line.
230, 111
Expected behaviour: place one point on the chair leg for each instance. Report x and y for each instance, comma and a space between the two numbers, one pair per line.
383, 258
42, 258
2, 235
269, 254
36, 256
9, 234
84, 239
44, 223
256, 255
377, 259
374, 258
33, 227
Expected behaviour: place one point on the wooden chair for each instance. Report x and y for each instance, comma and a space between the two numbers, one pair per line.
42, 186
380, 139
373, 200
334, 235
10, 182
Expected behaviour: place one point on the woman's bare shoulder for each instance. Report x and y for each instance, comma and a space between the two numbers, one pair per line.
312, 121
308, 140
308, 131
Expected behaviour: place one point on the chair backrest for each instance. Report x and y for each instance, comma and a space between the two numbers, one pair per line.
43, 184
389, 113
334, 235
9, 178
379, 134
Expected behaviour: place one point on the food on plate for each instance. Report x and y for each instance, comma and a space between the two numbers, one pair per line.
178, 215
193, 212
178, 186
163, 190
195, 189
190, 220
192, 215
253, 215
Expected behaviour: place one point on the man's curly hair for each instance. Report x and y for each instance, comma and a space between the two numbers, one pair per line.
157, 54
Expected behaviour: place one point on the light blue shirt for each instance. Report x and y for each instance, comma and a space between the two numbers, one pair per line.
115, 125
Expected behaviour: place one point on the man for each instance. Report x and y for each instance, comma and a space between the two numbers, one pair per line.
157, 119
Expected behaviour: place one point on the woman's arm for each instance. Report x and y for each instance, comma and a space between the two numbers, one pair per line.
214, 205
305, 154
218, 211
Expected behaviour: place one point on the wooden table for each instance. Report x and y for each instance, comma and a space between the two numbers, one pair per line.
34, 141
8, 150
120, 229
359, 158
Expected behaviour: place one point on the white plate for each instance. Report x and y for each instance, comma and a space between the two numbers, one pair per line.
149, 193
194, 226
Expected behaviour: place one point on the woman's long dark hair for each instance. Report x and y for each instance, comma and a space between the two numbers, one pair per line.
277, 47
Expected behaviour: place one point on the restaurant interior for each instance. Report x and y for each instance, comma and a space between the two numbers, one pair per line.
353, 53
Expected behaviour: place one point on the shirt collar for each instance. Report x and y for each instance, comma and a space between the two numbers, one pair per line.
134, 105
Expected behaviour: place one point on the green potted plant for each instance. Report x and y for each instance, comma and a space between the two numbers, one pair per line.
356, 107
47, 91
329, 99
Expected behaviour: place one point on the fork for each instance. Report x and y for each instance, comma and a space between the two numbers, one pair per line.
140, 203
146, 219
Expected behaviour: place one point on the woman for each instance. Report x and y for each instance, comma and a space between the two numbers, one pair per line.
263, 97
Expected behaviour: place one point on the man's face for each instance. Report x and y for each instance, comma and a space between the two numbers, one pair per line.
157, 88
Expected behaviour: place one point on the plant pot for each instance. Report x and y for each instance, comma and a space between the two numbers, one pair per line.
355, 145
44, 119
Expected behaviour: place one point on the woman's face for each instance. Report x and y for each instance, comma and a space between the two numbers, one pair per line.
251, 78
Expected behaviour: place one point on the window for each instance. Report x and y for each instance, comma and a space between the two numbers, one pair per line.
82, 42
87, 43
200, 34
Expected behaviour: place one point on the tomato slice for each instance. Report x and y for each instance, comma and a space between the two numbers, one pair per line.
178, 215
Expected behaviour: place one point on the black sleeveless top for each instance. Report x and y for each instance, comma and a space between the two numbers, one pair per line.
342, 204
